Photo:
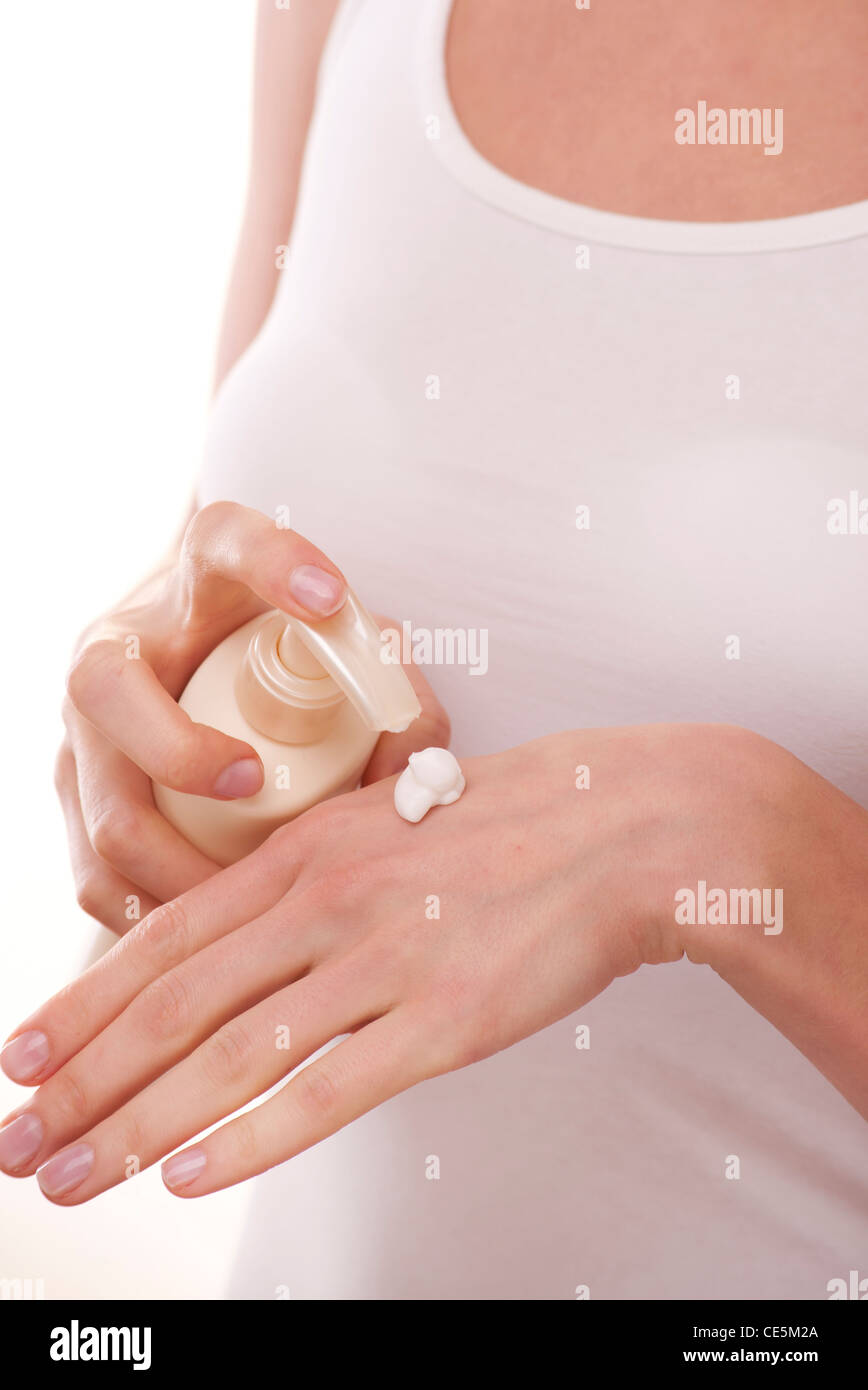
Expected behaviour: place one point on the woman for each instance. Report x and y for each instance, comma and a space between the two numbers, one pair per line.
536, 369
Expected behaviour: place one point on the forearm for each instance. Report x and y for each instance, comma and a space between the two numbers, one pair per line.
805, 967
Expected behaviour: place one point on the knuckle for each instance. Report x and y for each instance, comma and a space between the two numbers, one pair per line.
116, 829
449, 1050
315, 1093
303, 837
227, 1056
245, 1141
460, 1028
310, 827
79, 678
327, 822
204, 525
64, 769
92, 893
74, 1008
285, 841
90, 671
163, 937
69, 1100
340, 884
67, 714
292, 840
165, 1010
180, 761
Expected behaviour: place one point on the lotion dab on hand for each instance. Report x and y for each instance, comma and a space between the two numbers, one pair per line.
431, 778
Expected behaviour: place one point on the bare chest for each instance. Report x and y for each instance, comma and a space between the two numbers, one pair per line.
705, 111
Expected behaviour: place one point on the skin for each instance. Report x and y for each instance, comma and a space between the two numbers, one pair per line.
118, 844
324, 932
124, 728
288, 47
582, 103
324, 929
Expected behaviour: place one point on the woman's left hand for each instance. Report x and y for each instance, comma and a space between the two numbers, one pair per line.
430, 945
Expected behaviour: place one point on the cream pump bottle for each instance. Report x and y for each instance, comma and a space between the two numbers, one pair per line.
311, 698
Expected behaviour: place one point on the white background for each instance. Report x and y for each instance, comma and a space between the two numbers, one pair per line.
124, 144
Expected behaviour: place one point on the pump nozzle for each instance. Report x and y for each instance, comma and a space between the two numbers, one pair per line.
348, 646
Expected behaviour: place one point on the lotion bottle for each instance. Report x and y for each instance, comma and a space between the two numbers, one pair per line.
312, 699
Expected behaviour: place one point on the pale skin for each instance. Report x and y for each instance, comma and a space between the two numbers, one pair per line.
324, 930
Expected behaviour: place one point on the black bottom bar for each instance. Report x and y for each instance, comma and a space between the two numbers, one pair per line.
262, 1339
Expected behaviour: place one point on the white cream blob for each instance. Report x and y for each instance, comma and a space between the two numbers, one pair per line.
431, 778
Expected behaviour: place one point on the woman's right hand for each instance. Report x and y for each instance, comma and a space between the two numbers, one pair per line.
124, 727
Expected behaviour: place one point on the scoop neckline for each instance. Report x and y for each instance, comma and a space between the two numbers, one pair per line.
500, 190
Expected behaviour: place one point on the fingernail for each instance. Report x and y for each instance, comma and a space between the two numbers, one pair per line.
25, 1056
19, 1141
239, 779
65, 1171
184, 1168
317, 590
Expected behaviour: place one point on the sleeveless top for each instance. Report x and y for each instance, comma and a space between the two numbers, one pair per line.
634, 453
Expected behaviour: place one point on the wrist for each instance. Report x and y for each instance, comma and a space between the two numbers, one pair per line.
723, 844
785, 876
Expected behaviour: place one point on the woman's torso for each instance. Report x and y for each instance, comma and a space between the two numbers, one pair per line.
455, 367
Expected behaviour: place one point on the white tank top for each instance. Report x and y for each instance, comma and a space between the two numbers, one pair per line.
451, 353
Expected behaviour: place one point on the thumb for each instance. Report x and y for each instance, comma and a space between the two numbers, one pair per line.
430, 730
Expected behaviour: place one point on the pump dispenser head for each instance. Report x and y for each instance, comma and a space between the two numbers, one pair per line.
349, 647
295, 676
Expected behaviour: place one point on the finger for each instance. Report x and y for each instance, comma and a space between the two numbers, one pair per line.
124, 826
430, 730
171, 933
229, 551
371, 1067
232, 558
237, 1064
102, 892
120, 695
165, 1023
